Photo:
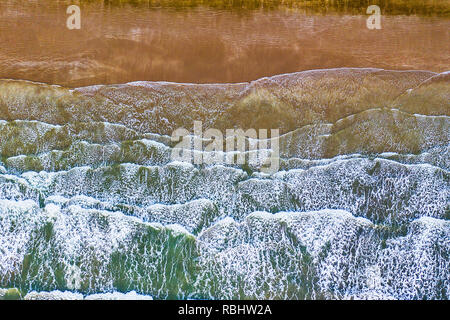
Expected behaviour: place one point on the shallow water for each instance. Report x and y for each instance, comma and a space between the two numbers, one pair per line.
91, 202
118, 44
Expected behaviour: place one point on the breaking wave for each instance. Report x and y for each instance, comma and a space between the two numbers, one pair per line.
92, 207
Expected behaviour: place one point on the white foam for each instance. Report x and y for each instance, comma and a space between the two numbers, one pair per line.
132, 295
53, 295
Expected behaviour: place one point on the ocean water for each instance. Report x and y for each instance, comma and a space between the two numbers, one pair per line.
92, 205
91, 202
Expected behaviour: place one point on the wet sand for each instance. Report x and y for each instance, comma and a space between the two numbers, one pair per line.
118, 44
